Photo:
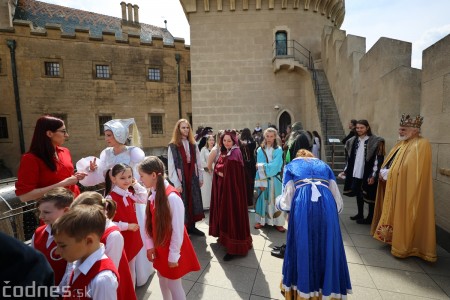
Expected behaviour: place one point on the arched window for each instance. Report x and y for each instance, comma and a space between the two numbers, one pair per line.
281, 42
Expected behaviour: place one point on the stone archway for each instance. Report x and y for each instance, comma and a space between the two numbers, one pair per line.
283, 121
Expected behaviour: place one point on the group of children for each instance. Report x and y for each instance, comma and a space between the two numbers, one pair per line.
91, 242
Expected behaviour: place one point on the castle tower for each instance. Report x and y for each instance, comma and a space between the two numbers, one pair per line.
250, 59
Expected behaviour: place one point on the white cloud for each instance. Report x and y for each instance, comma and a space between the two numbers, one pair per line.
431, 36
428, 38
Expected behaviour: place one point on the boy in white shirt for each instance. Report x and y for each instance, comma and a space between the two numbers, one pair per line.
77, 234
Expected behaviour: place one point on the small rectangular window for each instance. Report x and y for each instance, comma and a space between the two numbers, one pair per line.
189, 117
101, 121
154, 74
102, 71
4, 128
188, 76
52, 69
156, 124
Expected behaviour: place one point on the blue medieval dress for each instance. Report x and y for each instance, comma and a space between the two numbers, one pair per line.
315, 265
269, 162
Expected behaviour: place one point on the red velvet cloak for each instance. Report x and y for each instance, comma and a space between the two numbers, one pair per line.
228, 218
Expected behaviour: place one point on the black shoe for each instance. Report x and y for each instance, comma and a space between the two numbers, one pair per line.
364, 221
228, 257
357, 217
279, 253
195, 231
279, 247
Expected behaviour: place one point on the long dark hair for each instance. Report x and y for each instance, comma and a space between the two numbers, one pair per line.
119, 168
246, 135
41, 145
365, 123
232, 134
316, 134
163, 217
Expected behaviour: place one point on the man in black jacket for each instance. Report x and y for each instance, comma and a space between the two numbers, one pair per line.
365, 156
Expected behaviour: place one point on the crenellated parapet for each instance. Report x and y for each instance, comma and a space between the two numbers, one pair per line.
331, 9
55, 31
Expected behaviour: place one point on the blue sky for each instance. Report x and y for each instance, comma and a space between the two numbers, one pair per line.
417, 21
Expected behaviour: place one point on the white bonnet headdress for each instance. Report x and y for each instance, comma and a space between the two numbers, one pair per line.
119, 128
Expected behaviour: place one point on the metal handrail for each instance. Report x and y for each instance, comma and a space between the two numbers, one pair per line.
292, 49
320, 103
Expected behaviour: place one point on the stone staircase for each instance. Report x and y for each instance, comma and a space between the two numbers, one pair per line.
330, 122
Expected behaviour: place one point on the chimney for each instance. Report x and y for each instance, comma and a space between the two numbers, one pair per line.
124, 10
130, 12
136, 13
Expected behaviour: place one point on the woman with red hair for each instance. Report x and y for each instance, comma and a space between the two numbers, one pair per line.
47, 165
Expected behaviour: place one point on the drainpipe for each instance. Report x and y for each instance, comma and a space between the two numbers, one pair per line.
12, 46
178, 58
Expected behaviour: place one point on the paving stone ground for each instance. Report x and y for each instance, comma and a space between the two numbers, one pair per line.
374, 272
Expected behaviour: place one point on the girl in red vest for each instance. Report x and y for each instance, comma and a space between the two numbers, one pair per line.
113, 241
168, 244
121, 187
51, 206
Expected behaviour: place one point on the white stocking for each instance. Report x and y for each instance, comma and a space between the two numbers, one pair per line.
171, 289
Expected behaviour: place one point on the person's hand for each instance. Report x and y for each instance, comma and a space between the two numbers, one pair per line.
371, 180
151, 254
133, 226
179, 189
80, 175
93, 165
173, 264
380, 178
342, 175
72, 180
201, 183
261, 188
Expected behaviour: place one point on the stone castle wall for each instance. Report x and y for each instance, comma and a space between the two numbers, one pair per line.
380, 85
233, 80
82, 97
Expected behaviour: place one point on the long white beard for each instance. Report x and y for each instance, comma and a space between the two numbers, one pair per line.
402, 138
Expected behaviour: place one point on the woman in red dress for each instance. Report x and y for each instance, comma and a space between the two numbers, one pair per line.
46, 165
228, 218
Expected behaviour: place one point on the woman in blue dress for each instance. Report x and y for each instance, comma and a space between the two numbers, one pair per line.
315, 265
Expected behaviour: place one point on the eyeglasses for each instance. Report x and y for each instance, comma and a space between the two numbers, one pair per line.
63, 131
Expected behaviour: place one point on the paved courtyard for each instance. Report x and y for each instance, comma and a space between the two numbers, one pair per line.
374, 272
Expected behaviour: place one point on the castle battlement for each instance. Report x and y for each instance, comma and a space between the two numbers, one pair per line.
331, 9
83, 34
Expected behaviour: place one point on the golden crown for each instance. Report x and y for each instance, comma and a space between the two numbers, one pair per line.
407, 121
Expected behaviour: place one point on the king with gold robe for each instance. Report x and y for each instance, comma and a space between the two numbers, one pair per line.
404, 210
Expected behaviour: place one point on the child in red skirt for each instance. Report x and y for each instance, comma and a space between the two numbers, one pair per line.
168, 244
121, 187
